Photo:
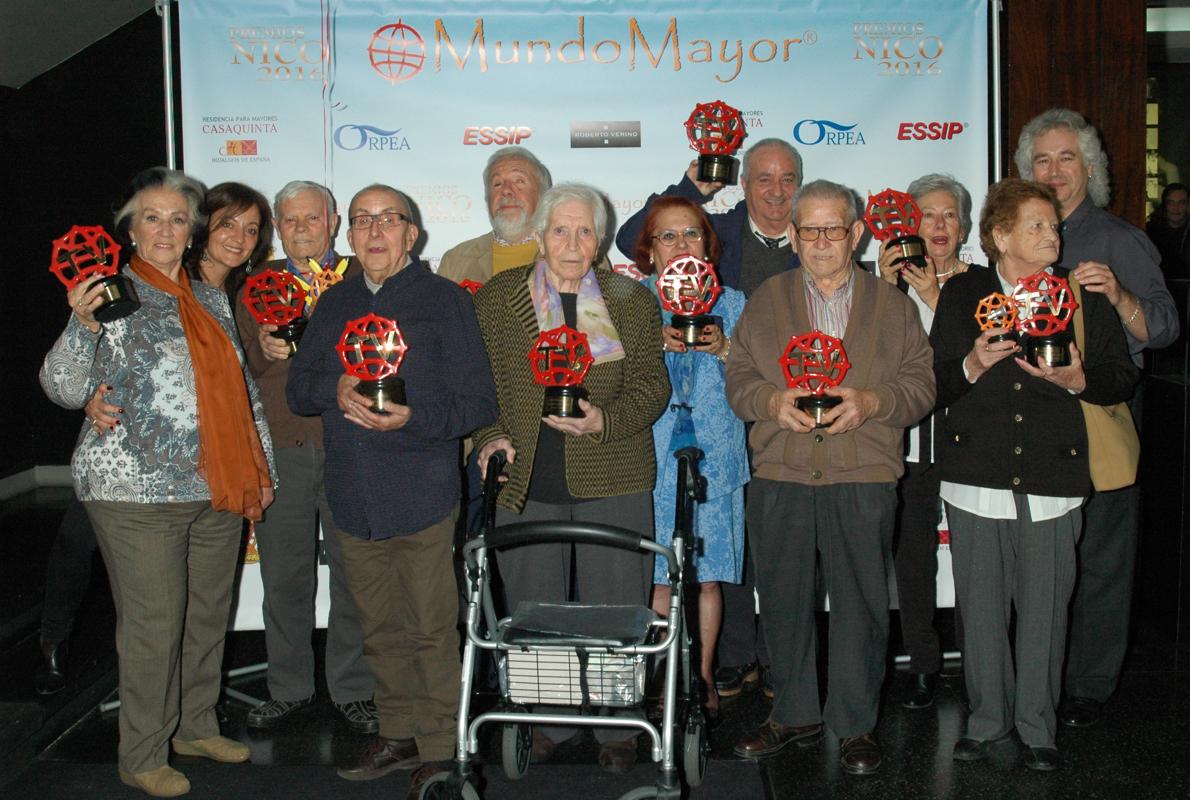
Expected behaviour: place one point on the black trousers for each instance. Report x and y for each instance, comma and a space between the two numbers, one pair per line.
68, 573
916, 559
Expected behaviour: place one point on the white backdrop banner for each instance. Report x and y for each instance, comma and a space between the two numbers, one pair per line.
874, 93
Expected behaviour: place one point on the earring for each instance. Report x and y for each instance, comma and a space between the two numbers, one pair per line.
205, 256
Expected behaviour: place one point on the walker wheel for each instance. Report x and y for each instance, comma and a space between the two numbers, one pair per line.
695, 749
516, 750
438, 788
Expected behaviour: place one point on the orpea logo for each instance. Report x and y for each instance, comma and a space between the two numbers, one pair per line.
825, 131
369, 137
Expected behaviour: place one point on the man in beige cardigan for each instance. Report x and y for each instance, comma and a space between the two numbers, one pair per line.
830, 489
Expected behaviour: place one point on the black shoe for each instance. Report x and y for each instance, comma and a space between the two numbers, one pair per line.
921, 691
1080, 712
360, 715
976, 749
1042, 759
51, 676
730, 681
860, 755
273, 712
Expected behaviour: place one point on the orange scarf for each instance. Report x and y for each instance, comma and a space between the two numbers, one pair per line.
230, 456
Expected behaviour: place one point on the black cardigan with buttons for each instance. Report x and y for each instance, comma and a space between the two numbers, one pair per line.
1010, 430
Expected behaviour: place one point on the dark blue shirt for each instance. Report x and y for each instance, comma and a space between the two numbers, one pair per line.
393, 483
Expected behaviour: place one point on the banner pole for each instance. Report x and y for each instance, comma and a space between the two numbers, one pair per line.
167, 59
997, 8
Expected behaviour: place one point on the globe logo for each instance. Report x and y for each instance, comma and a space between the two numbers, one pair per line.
397, 52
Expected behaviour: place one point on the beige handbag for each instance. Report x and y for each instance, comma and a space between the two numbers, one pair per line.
1113, 448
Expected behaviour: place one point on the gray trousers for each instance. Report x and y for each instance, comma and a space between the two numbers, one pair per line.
999, 564
1102, 606
171, 567
603, 575
850, 527
287, 539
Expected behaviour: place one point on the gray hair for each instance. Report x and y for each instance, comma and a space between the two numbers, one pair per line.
781, 145
571, 192
191, 190
937, 182
544, 181
294, 188
827, 190
1099, 182
383, 187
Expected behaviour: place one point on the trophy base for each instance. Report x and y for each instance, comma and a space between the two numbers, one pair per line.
910, 250
690, 328
718, 169
291, 334
384, 393
1054, 350
562, 401
119, 298
1006, 336
817, 405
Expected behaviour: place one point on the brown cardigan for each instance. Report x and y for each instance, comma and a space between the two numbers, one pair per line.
889, 355
632, 392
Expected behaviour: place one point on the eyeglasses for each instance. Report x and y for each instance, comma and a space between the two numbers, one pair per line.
389, 219
670, 237
834, 233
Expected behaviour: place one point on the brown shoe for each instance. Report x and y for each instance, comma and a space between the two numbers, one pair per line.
618, 757
859, 755
771, 737
542, 748
216, 748
422, 776
161, 782
382, 757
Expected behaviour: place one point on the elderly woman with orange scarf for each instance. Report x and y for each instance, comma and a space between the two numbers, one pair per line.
168, 489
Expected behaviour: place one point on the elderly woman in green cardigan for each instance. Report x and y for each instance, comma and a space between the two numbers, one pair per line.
595, 468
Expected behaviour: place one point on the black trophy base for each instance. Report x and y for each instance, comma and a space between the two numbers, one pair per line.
119, 298
1007, 336
1053, 350
384, 393
817, 406
690, 328
562, 401
718, 169
909, 250
291, 334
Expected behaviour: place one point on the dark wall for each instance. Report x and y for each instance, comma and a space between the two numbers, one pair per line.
71, 139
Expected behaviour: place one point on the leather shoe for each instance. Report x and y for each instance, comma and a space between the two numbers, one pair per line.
921, 691
542, 747
1080, 712
618, 757
771, 737
273, 712
216, 748
423, 775
1042, 759
976, 749
860, 755
382, 757
731, 681
766, 683
51, 676
165, 781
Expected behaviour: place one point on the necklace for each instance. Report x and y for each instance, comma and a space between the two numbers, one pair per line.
950, 271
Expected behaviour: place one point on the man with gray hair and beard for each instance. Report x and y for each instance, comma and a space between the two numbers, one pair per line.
1108, 256
513, 182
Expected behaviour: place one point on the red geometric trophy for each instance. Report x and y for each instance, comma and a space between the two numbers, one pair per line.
997, 312
688, 288
321, 279
83, 252
471, 286
1045, 306
815, 362
715, 130
893, 215
560, 359
277, 298
372, 349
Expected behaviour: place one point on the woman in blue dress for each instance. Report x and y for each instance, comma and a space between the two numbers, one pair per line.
698, 414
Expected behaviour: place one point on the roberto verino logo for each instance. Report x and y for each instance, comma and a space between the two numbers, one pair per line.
369, 137
397, 52
825, 131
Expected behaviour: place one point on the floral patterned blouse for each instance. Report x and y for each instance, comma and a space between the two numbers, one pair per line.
152, 456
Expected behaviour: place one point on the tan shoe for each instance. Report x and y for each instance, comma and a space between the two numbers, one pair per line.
161, 782
217, 748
